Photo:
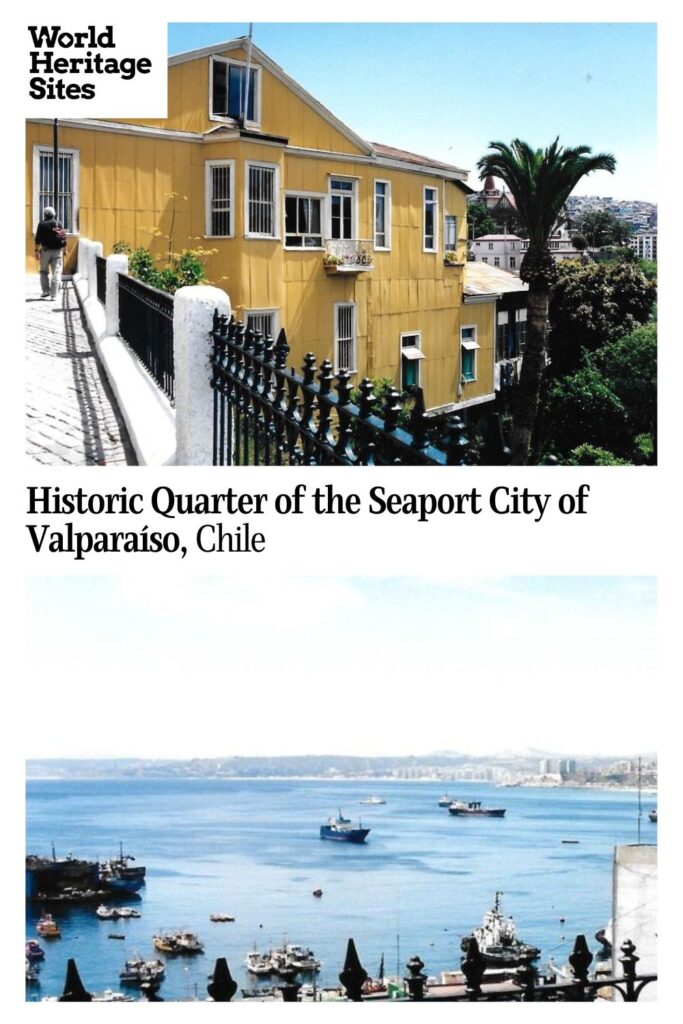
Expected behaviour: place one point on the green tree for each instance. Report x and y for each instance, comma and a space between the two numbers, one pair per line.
609, 404
541, 182
479, 220
601, 227
594, 304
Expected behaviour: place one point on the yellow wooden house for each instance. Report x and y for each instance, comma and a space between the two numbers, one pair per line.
358, 249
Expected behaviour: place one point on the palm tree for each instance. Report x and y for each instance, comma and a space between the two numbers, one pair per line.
541, 182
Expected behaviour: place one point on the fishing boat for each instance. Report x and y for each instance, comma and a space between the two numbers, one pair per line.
117, 875
474, 808
138, 971
652, 815
34, 951
376, 986
221, 917
182, 943
497, 940
446, 800
291, 957
373, 801
260, 964
341, 830
48, 927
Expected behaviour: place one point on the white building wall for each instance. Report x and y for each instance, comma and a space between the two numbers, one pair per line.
634, 910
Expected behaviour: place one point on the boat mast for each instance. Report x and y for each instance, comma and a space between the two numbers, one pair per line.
640, 801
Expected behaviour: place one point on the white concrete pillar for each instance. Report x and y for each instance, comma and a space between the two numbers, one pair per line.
80, 259
116, 264
94, 249
193, 310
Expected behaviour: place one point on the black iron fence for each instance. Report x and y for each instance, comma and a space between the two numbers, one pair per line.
146, 323
101, 267
522, 984
267, 414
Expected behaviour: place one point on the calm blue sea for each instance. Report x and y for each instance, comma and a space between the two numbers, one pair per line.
252, 849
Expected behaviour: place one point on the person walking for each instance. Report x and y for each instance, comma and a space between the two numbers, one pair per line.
50, 244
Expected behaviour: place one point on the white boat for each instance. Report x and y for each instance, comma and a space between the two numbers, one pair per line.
260, 964
373, 801
114, 913
138, 971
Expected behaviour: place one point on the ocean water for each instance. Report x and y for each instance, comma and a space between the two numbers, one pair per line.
252, 849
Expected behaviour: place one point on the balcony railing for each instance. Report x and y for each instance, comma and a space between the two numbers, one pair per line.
347, 255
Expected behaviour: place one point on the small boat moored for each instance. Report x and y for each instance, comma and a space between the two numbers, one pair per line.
34, 951
48, 927
181, 943
114, 913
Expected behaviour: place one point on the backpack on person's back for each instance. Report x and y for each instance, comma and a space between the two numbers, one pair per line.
55, 235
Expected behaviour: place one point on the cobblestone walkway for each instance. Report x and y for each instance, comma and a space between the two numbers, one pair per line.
71, 414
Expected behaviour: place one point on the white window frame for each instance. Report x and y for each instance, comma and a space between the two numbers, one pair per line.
435, 201
354, 204
75, 166
353, 307
463, 378
387, 215
248, 164
322, 196
258, 78
418, 344
454, 218
274, 313
208, 196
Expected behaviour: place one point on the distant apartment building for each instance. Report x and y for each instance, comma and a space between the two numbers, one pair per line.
504, 251
644, 244
561, 245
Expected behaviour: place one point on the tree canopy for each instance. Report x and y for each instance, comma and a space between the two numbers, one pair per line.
592, 304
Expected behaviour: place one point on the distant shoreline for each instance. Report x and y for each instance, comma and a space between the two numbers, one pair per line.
646, 791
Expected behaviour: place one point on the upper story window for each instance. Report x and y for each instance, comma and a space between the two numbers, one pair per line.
450, 237
303, 221
230, 97
382, 215
219, 193
261, 200
67, 186
342, 207
430, 220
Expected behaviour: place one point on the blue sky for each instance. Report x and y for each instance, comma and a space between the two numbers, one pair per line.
447, 90
206, 666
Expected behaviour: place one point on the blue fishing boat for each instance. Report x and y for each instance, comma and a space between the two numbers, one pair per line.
117, 875
342, 831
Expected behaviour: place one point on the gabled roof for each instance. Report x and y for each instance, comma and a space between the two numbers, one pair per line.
261, 58
372, 149
482, 279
